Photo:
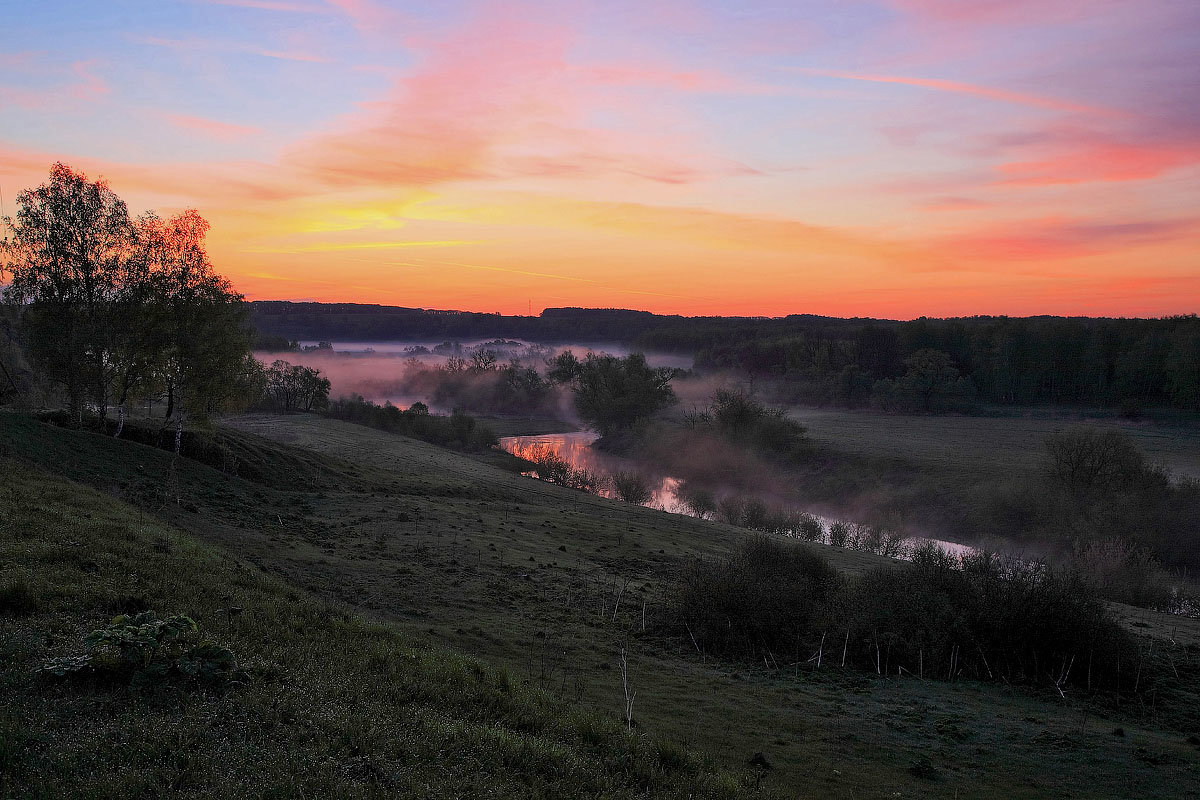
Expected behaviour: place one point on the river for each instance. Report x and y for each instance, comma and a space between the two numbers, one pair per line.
575, 448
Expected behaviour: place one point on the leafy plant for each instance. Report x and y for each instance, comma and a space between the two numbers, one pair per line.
145, 650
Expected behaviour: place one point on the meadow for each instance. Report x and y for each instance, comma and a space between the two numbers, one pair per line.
994, 446
453, 555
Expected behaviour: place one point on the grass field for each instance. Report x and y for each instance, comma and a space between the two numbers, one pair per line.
992, 446
458, 556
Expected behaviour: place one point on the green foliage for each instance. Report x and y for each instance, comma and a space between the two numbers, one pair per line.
615, 395
459, 431
115, 310
745, 420
290, 388
148, 652
765, 599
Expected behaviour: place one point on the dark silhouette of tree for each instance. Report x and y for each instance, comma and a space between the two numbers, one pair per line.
1088, 460
615, 395
632, 487
929, 373
298, 388
69, 240
115, 309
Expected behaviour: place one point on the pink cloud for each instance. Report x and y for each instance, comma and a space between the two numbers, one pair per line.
1052, 239
211, 127
500, 99
1099, 161
992, 11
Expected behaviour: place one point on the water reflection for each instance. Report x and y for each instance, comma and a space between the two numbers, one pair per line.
575, 449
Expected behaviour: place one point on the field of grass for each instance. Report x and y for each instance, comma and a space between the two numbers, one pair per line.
454, 554
331, 705
992, 446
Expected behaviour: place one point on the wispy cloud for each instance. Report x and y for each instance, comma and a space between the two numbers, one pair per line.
957, 87
334, 247
273, 5
211, 127
229, 46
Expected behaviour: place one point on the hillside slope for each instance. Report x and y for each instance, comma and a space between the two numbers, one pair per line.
552, 585
331, 705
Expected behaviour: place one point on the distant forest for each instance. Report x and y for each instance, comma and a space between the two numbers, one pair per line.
942, 363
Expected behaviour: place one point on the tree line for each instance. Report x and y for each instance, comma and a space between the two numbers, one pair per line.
1003, 360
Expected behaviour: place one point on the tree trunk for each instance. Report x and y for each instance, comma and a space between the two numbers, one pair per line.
120, 421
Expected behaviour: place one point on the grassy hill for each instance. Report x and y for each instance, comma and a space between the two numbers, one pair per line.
548, 586
331, 706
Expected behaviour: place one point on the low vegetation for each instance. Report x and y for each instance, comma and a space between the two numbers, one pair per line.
980, 617
319, 703
457, 431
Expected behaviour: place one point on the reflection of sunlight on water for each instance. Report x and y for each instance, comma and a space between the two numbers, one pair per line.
576, 449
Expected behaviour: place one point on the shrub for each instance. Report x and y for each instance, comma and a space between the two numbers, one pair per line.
459, 431
981, 617
767, 597
549, 466
1087, 460
810, 528
730, 509
985, 618
699, 502
145, 651
632, 487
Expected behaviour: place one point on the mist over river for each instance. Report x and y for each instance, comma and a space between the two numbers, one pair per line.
576, 449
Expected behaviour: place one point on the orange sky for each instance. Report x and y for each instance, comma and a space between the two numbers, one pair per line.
894, 158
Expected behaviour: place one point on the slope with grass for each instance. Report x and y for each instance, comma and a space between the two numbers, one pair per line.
329, 705
552, 584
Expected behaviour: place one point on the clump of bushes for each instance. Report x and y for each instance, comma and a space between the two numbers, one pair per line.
743, 419
981, 616
458, 431
765, 599
987, 618
145, 651
553, 468
632, 487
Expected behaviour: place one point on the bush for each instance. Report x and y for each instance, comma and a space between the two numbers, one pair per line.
980, 617
458, 431
810, 528
699, 502
632, 488
1087, 460
768, 597
145, 651
986, 618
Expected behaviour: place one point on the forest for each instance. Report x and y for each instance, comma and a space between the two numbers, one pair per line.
923, 364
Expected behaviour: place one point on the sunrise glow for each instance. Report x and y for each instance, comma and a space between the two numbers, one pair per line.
890, 158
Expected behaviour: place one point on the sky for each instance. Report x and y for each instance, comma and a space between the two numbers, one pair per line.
885, 158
